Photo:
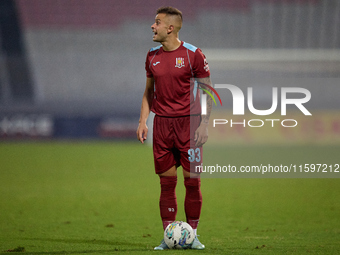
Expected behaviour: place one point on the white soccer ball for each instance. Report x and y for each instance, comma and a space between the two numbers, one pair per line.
179, 235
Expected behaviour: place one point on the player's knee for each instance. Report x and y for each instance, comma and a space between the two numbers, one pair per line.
171, 172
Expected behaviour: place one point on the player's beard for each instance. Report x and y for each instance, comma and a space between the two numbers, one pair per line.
158, 37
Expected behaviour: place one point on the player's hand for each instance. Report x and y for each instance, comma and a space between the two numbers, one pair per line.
201, 135
142, 132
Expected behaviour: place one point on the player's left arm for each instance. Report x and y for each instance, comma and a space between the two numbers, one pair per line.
201, 134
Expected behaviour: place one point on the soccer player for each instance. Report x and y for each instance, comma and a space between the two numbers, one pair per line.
179, 129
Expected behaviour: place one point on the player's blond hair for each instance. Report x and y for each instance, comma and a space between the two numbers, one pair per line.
170, 11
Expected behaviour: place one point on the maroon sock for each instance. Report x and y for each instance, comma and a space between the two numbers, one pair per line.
168, 201
193, 201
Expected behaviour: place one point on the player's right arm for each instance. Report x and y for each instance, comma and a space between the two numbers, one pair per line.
142, 129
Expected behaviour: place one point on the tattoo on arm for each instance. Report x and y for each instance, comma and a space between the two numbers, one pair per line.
205, 118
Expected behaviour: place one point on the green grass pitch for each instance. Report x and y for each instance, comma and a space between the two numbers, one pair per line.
102, 198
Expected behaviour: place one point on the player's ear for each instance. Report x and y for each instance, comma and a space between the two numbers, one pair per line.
170, 29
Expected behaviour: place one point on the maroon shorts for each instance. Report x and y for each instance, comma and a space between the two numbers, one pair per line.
173, 143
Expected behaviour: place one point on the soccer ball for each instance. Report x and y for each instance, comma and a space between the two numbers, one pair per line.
179, 235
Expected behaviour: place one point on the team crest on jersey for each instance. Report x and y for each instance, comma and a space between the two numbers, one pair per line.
179, 62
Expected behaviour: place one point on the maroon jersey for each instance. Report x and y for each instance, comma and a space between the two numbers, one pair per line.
175, 95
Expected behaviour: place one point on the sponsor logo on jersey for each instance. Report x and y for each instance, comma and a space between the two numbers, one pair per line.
206, 67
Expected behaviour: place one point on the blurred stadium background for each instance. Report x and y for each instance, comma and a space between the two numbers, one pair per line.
75, 68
